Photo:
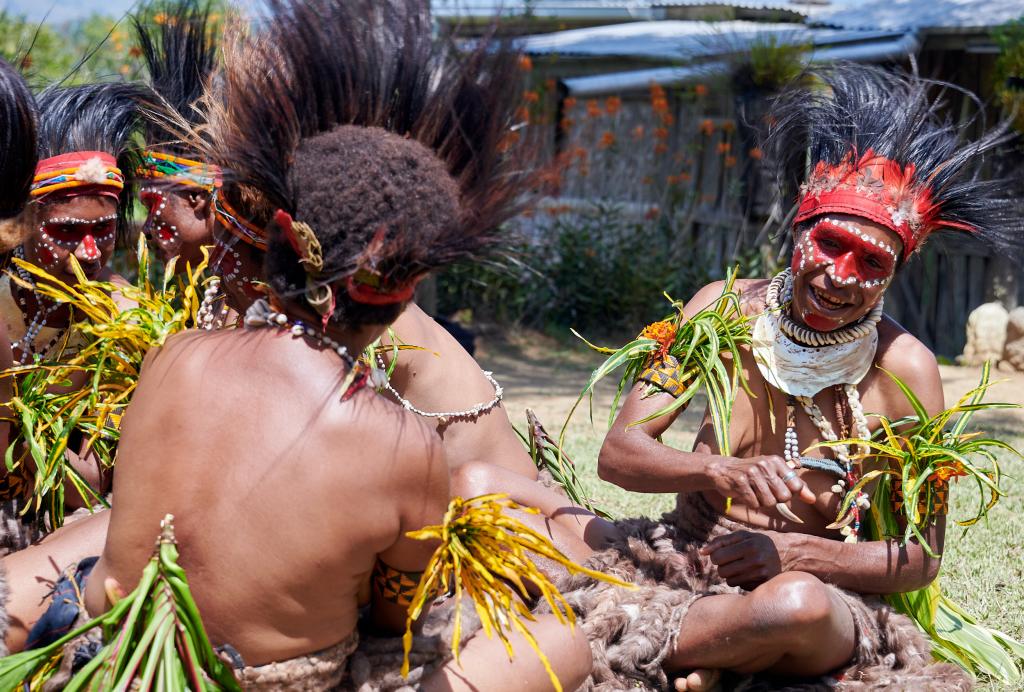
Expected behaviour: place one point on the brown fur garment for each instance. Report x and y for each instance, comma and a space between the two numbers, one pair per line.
632, 632
17, 532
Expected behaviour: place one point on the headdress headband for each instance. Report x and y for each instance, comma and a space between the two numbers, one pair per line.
879, 189
177, 169
363, 287
78, 173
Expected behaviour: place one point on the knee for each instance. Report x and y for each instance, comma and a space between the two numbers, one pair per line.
577, 661
473, 478
794, 603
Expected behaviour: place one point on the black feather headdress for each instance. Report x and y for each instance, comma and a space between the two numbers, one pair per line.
323, 66
18, 118
179, 47
96, 117
880, 146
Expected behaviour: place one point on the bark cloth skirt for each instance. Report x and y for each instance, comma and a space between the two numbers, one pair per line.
631, 632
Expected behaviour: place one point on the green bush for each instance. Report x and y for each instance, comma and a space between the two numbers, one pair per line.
596, 270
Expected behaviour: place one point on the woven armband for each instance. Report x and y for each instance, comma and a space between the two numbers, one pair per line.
394, 586
939, 498
665, 375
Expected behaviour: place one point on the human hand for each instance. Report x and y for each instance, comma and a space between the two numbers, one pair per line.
762, 481
748, 558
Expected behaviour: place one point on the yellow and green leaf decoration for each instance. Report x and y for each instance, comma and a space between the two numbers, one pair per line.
89, 392
153, 639
923, 453
699, 343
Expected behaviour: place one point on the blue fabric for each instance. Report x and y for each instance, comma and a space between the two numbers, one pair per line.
64, 608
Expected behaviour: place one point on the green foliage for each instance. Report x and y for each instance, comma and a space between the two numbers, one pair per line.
90, 390
1009, 68
699, 343
154, 639
596, 270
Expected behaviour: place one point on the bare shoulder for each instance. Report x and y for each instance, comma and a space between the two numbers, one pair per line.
752, 296
906, 357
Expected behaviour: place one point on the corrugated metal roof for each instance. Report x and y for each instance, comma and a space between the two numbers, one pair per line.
875, 49
921, 14
637, 9
683, 40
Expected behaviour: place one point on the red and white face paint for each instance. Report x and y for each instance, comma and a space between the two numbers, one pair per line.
85, 238
850, 256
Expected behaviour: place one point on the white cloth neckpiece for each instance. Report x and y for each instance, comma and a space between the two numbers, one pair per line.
804, 371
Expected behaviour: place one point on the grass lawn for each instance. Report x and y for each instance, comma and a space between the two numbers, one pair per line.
983, 569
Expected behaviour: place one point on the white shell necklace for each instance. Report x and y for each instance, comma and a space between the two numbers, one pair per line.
780, 291
445, 417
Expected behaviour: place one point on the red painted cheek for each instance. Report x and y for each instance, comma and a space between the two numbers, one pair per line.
45, 255
798, 255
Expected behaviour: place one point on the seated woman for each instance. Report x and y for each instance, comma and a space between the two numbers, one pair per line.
320, 468
80, 202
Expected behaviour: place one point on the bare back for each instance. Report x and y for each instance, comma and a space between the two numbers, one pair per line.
444, 377
283, 494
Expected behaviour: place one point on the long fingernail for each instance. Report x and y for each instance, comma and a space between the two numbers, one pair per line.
785, 511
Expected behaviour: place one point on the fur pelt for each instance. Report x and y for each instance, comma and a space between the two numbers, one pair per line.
376, 665
632, 632
5, 619
17, 531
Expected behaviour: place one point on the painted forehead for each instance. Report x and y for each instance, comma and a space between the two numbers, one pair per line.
851, 229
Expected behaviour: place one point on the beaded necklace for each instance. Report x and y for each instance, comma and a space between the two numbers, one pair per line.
26, 344
778, 297
444, 417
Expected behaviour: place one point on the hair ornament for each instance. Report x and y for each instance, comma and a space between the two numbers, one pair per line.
365, 287
95, 170
303, 240
179, 170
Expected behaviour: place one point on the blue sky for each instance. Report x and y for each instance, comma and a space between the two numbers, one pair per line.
63, 10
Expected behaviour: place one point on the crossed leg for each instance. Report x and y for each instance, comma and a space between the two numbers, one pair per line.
792, 624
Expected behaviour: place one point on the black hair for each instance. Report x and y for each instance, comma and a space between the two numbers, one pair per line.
898, 115
179, 46
97, 117
18, 157
393, 147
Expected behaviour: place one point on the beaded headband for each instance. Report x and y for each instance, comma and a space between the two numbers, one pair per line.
156, 165
78, 173
238, 225
879, 189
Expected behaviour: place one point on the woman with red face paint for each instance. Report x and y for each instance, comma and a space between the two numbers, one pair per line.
757, 578
79, 199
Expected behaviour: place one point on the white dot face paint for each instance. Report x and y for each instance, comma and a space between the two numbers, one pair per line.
851, 256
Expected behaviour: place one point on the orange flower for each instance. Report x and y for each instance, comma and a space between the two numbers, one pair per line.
523, 113
508, 141
135, 51
593, 108
944, 473
567, 123
661, 133
660, 148
580, 153
685, 177
701, 90
667, 119
659, 105
525, 63
612, 105
531, 96
124, 69
707, 127
730, 161
638, 132
607, 140
672, 180
724, 147
728, 126
756, 154
663, 332
652, 213
550, 84
160, 18
569, 103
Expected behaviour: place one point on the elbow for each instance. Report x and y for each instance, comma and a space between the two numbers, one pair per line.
931, 570
612, 460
